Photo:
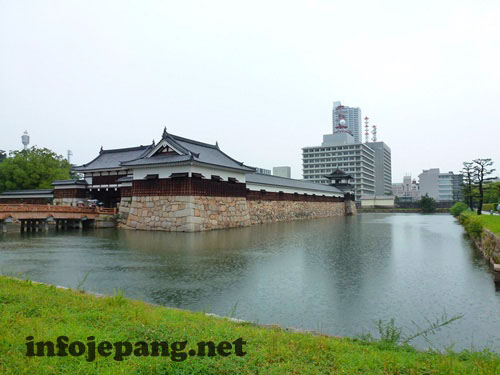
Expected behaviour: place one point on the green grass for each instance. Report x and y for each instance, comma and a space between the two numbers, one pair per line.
45, 312
491, 222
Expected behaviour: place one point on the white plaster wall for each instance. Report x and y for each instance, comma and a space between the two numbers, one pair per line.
207, 172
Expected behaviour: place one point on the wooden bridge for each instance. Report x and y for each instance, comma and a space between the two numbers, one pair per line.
35, 217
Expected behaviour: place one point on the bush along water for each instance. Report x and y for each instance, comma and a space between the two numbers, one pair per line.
458, 208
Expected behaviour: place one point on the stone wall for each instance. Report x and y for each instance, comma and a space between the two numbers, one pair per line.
185, 213
192, 213
263, 211
489, 244
124, 208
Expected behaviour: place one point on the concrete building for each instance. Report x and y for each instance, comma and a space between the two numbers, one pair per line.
408, 190
368, 163
383, 168
352, 117
377, 201
443, 187
339, 151
262, 170
282, 172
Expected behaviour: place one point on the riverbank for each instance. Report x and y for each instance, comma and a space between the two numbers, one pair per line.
484, 230
46, 312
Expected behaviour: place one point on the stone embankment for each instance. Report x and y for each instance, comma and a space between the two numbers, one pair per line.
200, 213
186, 213
489, 244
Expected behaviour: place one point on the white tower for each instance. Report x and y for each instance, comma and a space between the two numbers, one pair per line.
25, 138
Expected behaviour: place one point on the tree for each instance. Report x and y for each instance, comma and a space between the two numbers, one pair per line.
492, 192
468, 172
34, 168
482, 171
427, 204
2, 155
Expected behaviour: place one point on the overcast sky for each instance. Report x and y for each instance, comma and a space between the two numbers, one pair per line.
259, 77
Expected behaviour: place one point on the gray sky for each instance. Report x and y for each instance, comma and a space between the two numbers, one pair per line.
258, 76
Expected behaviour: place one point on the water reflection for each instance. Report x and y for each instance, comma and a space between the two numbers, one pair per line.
335, 275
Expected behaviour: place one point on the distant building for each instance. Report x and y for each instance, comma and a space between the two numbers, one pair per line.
443, 187
262, 171
282, 172
408, 190
377, 201
352, 118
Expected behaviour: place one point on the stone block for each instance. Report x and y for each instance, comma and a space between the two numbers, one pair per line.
185, 212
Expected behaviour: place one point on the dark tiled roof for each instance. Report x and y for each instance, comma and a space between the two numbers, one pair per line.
158, 159
265, 179
338, 173
27, 192
125, 179
194, 151
109, 159
69, 182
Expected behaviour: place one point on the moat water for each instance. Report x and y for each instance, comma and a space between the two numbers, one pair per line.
336, 275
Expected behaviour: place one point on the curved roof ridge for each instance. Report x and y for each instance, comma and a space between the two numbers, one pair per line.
136, 148
188, 140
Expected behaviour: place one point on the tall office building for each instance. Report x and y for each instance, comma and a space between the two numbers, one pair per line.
352, 117
383, 168
368, 163
338, 151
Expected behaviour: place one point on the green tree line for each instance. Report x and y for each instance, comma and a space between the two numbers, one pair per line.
33, 168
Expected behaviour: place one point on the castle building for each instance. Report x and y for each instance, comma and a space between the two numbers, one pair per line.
180, 184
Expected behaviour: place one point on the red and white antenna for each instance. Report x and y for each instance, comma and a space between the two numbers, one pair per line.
374, 133
367, 132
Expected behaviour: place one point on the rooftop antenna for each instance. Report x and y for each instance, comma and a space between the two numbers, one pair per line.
374, 133
367, 131
25, 138
70, 154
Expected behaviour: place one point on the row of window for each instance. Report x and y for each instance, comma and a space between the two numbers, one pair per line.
309, 150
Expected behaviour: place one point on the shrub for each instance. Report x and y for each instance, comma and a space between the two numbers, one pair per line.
473, 226
462, 218
458, 208
427, 204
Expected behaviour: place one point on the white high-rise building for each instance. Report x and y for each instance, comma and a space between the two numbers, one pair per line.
352, 117
443, 187
338, 151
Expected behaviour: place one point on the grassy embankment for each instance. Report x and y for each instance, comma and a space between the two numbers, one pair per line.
46, 312
469, 219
